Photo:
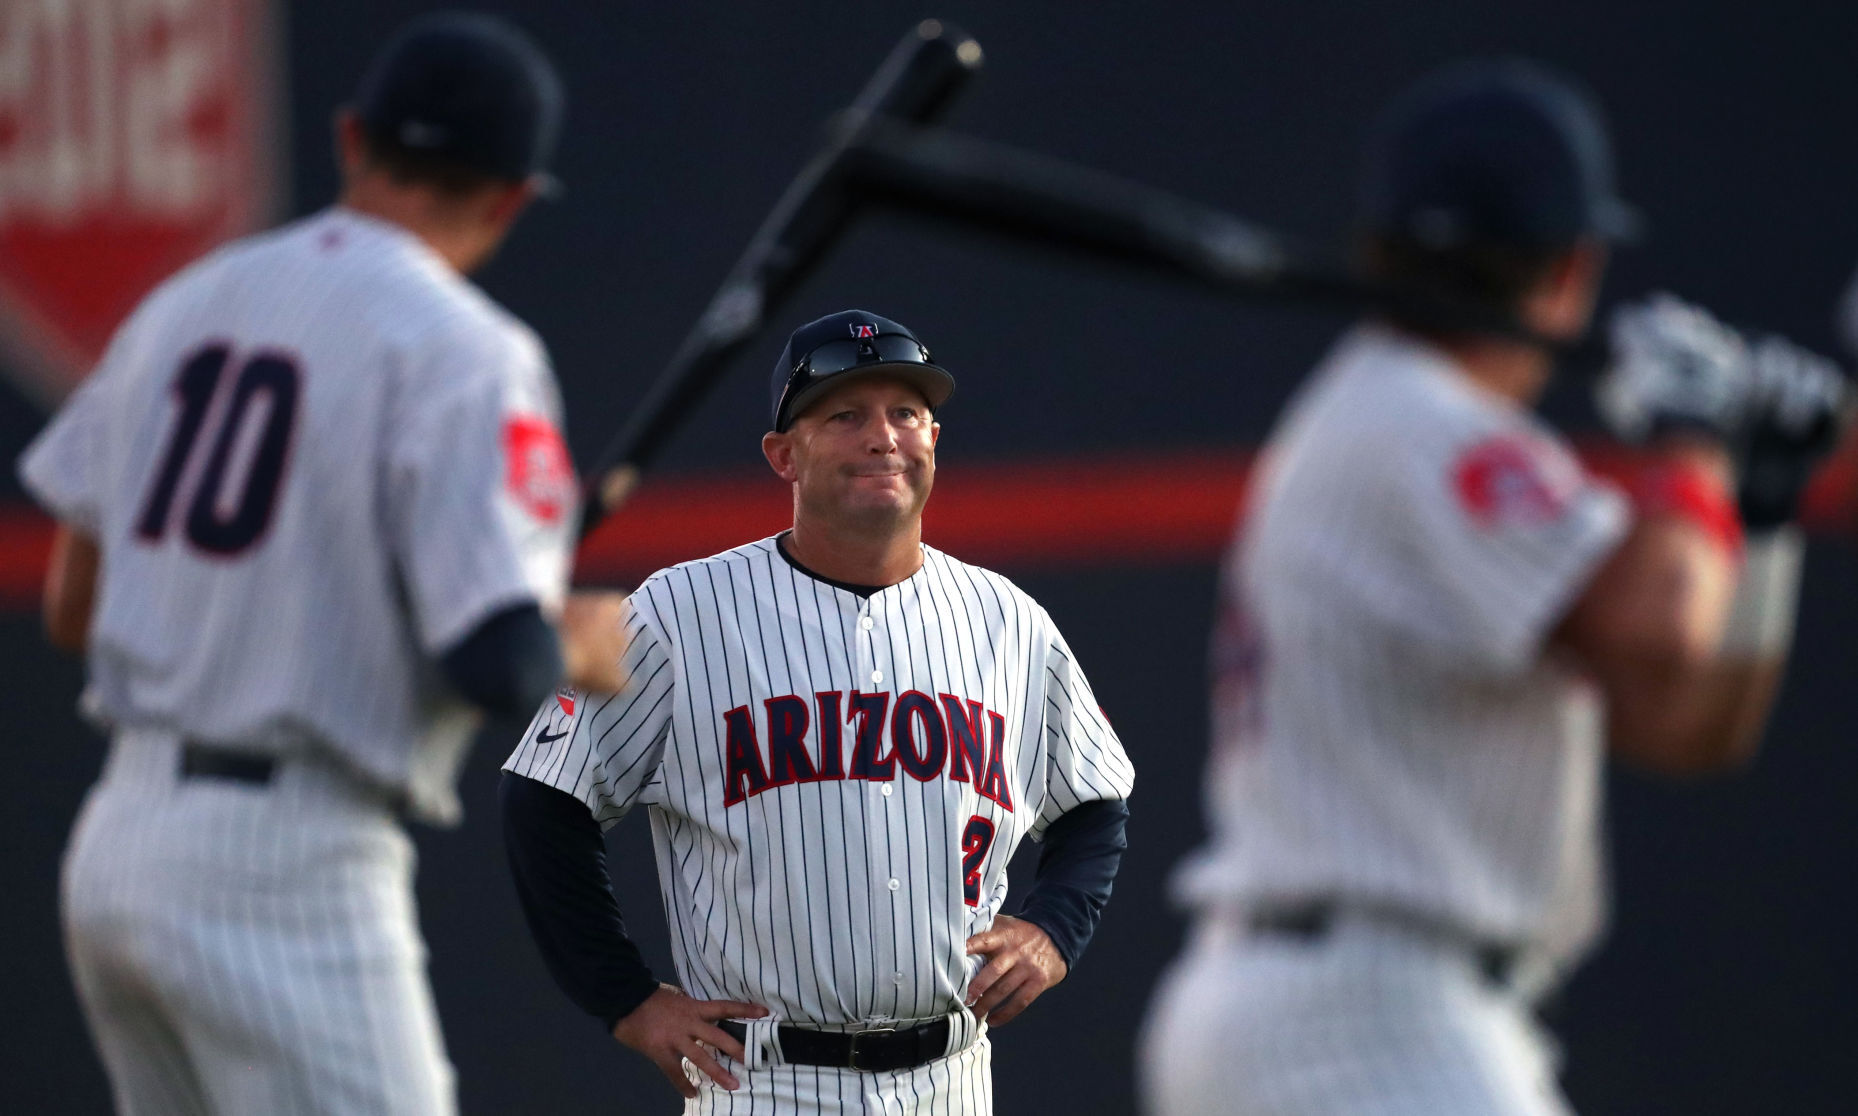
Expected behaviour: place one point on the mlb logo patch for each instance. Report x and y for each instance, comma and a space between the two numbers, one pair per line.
1511, 479
863, 329
538, 473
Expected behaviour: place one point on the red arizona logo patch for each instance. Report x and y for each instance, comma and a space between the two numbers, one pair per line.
1513, 479
538, 472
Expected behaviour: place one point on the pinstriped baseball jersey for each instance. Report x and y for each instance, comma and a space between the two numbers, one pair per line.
836, 782
1388, 729
283, 458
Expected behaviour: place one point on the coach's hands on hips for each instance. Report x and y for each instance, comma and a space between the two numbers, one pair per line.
671, 1026
1021, 964
593, 640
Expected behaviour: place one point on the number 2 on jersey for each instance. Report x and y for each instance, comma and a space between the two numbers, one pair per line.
209, 526
976, 839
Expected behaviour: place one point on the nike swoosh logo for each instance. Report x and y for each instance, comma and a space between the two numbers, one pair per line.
547, 737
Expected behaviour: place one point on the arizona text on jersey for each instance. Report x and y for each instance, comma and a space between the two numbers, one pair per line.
836, 783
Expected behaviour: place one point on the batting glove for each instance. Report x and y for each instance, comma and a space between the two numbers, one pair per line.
1674, 368
1799, 404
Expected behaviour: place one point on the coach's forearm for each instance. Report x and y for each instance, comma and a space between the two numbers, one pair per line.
1077, 868
558, 860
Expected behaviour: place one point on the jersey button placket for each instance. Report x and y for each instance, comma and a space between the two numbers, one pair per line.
886, 881
863, 646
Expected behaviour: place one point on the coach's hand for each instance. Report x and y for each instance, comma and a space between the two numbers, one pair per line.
670, 1026
593, 640
1021, 964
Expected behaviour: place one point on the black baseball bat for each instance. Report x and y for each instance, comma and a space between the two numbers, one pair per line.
1049, 203
916, 84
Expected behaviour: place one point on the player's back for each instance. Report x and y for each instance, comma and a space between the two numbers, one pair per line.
256, 433
1390, 730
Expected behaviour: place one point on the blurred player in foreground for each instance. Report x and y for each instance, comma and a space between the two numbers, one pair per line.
1435, 621
843, 735
310, 469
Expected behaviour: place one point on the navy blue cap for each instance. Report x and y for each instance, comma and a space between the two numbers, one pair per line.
1493, 152
849, 345
467, 88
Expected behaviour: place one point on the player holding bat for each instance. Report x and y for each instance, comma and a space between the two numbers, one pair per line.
1436, 623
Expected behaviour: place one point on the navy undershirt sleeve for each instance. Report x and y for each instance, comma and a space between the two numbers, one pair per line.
508, 664
558, 859
1077, 865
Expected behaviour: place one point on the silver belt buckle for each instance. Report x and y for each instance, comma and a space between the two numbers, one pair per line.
856, 1035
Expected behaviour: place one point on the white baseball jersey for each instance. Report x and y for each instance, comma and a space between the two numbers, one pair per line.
1388, 729
289, 457
836, 782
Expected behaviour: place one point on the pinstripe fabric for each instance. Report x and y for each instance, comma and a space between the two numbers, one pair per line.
1390, 736
243, 949
1370, 1021
1388, 729
824, 876
259, 952
393, 531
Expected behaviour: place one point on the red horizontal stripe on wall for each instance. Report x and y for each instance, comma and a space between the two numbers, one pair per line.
25, 544
1148, 509
1158, 508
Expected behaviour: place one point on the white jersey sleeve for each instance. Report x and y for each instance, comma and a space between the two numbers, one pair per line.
605, 749
471, 531
66, 468
1085, 760
1508, 527
60, 467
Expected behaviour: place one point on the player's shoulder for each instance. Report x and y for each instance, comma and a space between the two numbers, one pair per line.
195, 280
982, 586
413, 299
701, 574
1377, 376
1381, 395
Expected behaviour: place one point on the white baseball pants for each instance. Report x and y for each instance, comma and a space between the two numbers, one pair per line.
1365, 1020
249, 949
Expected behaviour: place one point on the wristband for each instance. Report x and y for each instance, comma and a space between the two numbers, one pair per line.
1761, 617
1691, 493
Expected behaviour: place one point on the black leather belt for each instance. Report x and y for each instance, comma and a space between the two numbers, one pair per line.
204, 761
874, 1051
1313, 921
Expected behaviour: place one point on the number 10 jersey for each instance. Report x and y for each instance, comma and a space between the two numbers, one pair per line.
312, 461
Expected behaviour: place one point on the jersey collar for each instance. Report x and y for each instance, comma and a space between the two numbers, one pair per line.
865, 591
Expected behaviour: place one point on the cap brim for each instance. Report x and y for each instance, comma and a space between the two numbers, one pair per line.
935, 384
1618, 221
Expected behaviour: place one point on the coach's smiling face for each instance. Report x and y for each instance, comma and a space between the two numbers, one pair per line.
861, 458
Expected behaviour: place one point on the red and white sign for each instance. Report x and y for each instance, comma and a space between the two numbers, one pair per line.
134, 136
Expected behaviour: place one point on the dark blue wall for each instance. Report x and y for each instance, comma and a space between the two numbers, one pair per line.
1728, 985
